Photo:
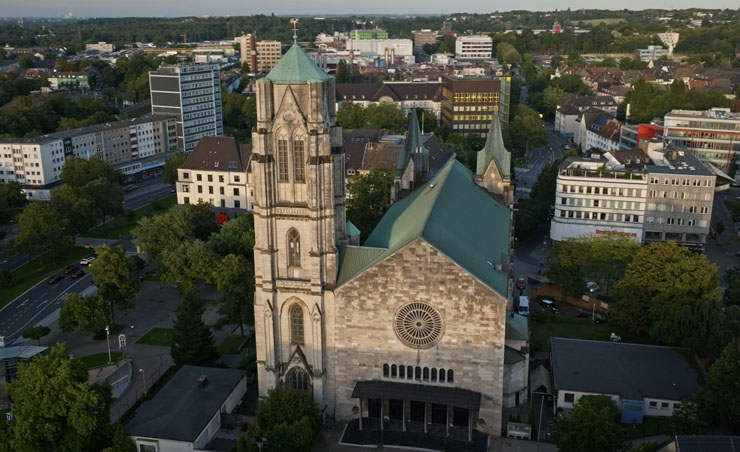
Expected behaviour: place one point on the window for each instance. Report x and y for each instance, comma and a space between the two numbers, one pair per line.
186, 175
220, 178
417, 373
186, 200
299, 160
294, 249
282, 146
210, 178
221, 190
569, 397
450, 376
386, 370
237, 203
394, 371
409, 373
210, 190
236, 192
147, 448
663, 405
236, 178
200, 189
299, 380
676, 406
199, 177
425, 375
296, 324
653, 404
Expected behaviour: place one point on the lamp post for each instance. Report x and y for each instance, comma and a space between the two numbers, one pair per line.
143, 379
542, 405
107, 340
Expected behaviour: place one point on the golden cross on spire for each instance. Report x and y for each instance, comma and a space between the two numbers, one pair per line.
294, 21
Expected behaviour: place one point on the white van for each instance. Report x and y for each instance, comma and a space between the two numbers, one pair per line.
523, 305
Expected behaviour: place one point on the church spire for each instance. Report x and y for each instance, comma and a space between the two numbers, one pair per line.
494, 150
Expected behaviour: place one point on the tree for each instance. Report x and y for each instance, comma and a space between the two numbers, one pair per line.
235, 237
565, 264
120, 442
719, 399
202, 218
607, 257
87, 313
352, 115
189, 261
78, 211
156, 234
235, 277
36, 332
686, 420
105, 195
289, 420
732, 293
661, 278
41, 230
116, 281
78, 172
192, 339
169, 172
55, 408
525, 132
11, 200
592, 426
343, 75
386, 116
25, 61
368, 197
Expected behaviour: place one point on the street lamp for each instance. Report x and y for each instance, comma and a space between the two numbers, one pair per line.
542, 405
107, 340
143, 379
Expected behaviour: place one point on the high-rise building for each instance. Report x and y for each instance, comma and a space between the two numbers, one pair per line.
268, 54
424, 37
475, 47
192, 94
467, 104
248, 50
714, 135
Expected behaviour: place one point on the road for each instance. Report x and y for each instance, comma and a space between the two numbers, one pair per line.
146, 192
536, 160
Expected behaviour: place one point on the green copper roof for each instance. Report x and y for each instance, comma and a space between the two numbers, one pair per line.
494, 149
295, 67
452, 214
352, 230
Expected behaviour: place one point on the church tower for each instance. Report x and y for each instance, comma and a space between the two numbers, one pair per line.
299, 219
493, 166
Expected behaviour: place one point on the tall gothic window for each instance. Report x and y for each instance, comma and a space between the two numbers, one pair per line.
294, 249
299, 380
282, 147
299, 160
296, 324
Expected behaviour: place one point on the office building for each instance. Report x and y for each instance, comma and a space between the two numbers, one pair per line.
652, 53
474, 47
131, 146
714, 135
192, 94
630, 135
69, 80
424, 37
268, 54
248, 50
369, 34
387, 51
468, 103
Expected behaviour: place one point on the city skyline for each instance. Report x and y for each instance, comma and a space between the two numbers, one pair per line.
170, 8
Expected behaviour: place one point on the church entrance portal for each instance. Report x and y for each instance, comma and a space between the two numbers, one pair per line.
460, 417
373, 408
416, 411
395, 409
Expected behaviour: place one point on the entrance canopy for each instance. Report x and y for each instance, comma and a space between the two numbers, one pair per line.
375, 389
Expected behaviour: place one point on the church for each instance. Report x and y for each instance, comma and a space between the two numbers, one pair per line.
408, 332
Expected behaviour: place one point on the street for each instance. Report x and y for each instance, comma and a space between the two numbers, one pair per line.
536, 160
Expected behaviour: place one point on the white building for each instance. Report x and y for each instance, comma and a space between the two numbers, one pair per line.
268, 54
101, 46
714, 135
570, 109
474, 47
652, 53
217, 172
391, 51
597, 130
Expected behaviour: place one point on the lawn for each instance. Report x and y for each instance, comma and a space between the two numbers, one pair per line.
30, 273
122, 226
544, 326
229, 345
157, 336
100, 359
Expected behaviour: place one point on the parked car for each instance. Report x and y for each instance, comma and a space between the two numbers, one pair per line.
546, 304
53, 279
592, 287
78, 273
521, 283
88, 259
555, 309
70, 269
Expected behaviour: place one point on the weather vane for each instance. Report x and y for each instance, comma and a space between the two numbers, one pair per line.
294, 21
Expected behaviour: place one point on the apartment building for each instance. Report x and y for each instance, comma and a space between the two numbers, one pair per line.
655, 196
268, 55
69, 80
597, 130
468, 103
405, 95
100, 46
192, 94
217, 172
474, 47
248, 50
131, 146
713, 135
569, 110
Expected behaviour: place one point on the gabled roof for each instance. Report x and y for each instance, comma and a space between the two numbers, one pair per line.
295, 67
452, 214
516, 327
494, 150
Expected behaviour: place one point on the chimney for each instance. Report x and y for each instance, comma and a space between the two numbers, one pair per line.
202, 381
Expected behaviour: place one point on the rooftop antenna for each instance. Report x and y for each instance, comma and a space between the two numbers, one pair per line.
294, 21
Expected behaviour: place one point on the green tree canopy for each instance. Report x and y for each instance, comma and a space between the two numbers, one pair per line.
386, 116
36, 332
41, 230
78, 172
592, 426
352, 115
79, 212
288, 419
369, 196
343, 74
88, 313
235, 237
235, 278
719, 399
11, 200
192, 341
525, 132
116, 280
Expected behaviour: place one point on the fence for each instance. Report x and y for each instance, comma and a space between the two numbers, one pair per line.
141, 383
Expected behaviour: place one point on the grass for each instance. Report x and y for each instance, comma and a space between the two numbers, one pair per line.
230, 345
30, 273
157, 336
100, 359
546, 325
121, 227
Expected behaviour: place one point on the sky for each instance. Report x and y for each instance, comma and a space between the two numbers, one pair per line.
174, 8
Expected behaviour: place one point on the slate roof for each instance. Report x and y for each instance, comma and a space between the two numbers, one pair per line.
295, 67
516, 327
707, 443
632, 371
181, 410
372, 92
512, 356
452, 214
219, 154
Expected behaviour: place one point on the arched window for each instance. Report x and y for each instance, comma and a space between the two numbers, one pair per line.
425, 376
434, 374
409, 373
401, 371
418, 373
394, 371
296, 325
299, 159
299, 380
450, 376
441, 375
294, 248
385, 370
282, 159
